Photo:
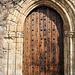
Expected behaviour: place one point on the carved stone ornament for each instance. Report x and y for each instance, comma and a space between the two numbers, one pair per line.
72, 34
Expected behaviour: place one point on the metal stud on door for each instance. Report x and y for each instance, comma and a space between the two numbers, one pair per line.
43, 43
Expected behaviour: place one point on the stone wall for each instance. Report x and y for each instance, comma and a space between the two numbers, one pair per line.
12, 17
5, 5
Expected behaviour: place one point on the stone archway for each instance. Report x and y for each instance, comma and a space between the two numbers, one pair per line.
43, 51
15, 31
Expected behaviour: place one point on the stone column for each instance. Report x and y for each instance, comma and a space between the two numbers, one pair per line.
66, 54
72, 52
73, 59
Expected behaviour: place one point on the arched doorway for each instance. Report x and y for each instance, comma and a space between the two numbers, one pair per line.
43, 43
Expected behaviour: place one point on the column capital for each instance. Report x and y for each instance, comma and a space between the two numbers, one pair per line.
69, 34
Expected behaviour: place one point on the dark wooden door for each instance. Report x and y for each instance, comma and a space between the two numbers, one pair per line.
43, 43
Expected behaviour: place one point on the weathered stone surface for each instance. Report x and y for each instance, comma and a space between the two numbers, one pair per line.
12, 18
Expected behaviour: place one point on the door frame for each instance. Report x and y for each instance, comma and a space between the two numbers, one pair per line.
66, 30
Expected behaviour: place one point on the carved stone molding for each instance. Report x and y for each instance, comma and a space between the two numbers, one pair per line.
69, 34
65, 34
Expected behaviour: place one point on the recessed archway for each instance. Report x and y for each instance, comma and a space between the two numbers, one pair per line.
66, 27
16, 20
43, 43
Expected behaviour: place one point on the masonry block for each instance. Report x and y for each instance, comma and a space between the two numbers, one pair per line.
12, 28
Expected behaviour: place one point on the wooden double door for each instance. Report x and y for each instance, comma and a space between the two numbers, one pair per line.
43, 52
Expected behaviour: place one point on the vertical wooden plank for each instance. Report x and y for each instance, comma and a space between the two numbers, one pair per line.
33, 43
45, 38
38, 40
48, 40
41, 41
54, 41
51, 66
58, 48
29, 44
43, 53
35, 37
